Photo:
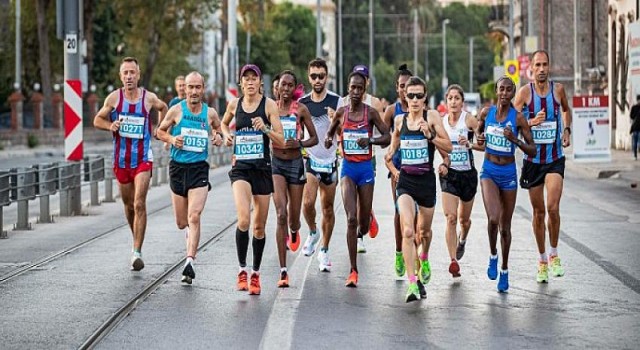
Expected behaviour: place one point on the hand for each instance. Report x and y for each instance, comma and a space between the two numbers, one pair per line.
424, 127
330, 112
363, 142
480, 139
443, 169
463, 141
216, 140
228, 140
257, 123
328, 142
539, 118
177, 141
115, 126
395, 175
292, 144
566, 139
508, 133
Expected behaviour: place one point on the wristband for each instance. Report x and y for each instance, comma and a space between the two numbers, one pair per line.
568, 129
371, 141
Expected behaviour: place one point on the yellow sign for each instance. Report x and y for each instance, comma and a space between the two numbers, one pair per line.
512, 70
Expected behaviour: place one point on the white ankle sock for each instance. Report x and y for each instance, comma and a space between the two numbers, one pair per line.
553, 251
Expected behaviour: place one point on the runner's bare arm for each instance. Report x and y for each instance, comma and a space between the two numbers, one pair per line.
102, 120
333, 128
275, 133
388, 115
394, 145
158, 104
479, 131
567, 117
308, 124
441, 140
528, 146
226, 121
214, 122
384, 139
472, 124
169, 120
522, 97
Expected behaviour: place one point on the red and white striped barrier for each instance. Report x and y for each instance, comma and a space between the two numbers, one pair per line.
72, 120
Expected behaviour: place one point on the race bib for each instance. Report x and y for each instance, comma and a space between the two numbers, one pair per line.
459, 157
131, 126
414, 150
195, 140
289, 127
249, 145
321, 168
350, 138
496, 139
544, 133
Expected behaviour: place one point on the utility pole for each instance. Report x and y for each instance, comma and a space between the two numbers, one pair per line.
340, 64
445, 80
372, 77
471, 64
415, 41
318, 31
232, 43
577, 72
511, 48
18, 79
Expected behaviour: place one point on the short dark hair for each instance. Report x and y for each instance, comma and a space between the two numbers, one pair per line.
291, 73
457, 88
353, 74
542, 51
318, 63
416, 81
504, 77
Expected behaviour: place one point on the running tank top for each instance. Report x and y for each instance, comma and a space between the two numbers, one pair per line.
194, 128
321, 159
351, 132
461, 157
131, 144
547, 135
416, 152
291, 124
251, 146
397, 110
496, 142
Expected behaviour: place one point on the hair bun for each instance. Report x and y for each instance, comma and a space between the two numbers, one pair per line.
402, 67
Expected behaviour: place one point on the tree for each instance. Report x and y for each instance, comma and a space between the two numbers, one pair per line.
44, 54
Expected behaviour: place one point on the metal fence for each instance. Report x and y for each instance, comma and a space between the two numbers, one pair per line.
21, 185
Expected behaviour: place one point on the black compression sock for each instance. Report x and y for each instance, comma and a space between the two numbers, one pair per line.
258, 249
242, 246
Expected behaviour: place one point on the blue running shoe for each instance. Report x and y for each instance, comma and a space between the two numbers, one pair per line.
503, 282
492, 270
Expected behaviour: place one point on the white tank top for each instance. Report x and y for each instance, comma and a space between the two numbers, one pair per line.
460, 156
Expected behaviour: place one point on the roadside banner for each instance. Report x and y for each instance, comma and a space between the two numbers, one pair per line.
590, 133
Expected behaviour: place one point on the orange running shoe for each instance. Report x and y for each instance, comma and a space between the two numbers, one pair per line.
284, 280
373, 226
254, 286
294, 241
242, 280
454, 268
352, 281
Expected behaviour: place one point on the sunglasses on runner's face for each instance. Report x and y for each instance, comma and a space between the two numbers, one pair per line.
411, 96
315, 76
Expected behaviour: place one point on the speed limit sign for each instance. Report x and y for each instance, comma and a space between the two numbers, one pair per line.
71, 43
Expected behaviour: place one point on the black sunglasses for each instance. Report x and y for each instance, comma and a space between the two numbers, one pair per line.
315, 76
411, 96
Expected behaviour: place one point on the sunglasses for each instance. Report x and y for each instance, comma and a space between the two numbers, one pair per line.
315, 76
411, 96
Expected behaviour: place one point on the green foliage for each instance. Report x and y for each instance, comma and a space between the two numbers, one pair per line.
488, 91
32, 141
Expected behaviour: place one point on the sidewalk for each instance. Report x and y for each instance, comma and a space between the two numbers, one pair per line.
622, 166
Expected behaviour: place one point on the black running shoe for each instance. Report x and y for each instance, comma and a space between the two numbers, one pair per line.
423, 291
188, 274
460, 251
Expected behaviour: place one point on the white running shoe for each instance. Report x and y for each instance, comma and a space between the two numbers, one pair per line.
325, 262
310, 244
361, 247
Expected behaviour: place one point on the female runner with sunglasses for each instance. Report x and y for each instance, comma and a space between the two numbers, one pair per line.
417, 134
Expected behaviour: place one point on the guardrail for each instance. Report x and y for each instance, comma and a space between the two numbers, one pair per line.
21, 185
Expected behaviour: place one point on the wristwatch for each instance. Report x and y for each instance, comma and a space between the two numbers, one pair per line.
568, 129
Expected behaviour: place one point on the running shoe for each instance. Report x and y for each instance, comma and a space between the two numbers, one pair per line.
543, 272
254, 285
454, 269
284, 280
361, 247
352, 281
422, 289
373, 226
503, 282
492, 270
400, 268
136, 262
242, 281
188, 274
324, 261
413, 293
424, 274
294, 242
460, 250
310, 244
556, 268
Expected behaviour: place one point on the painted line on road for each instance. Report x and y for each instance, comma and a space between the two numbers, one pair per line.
624, 278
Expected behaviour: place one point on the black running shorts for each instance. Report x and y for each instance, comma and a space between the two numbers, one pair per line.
186, 176
422, 188
324, 177
260, 179
533, 174
462, 184
291, 169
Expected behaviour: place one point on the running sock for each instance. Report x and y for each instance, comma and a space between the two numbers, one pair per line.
324, 250
190, 260
553, 251
494, 257
413, 279
242, 246
137, 253
424, 256
258, 249
463, 241
283, 269
543, 257
504, 271
313, 233
360, 234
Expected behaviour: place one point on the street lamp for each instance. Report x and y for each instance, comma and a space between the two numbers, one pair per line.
445, 80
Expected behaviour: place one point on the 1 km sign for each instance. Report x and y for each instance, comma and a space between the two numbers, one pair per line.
591, 128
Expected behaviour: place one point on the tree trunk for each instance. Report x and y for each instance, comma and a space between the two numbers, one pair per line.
152, 58
44, 53
88, 36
